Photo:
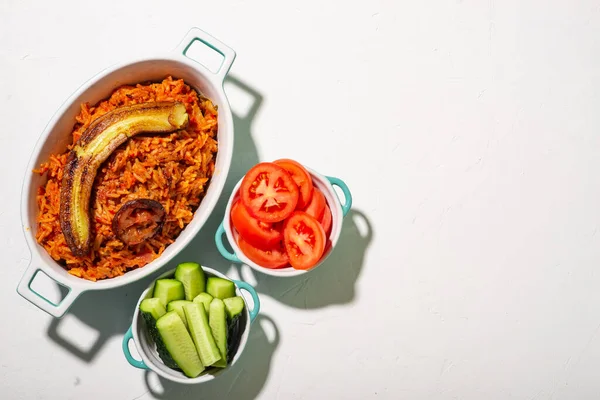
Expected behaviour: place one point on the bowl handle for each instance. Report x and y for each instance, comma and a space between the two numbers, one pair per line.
347, 195
212, 42
247, 287
56, 310
136, 363
219, 241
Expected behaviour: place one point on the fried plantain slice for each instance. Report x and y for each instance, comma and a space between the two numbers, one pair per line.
97, 143
138, 220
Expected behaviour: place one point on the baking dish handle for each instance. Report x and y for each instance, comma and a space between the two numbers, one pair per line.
136, 363
347, 195
213, 43
56, 310
221, 247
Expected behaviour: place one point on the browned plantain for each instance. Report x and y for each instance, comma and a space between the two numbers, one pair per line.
97, 143
138, 220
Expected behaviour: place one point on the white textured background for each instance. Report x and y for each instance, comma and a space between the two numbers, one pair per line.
467, 132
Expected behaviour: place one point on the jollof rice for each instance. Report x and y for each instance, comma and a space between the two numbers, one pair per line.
172, 169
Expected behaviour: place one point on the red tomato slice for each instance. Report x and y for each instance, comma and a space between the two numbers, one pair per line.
304, 240
302, 179
316, 207
269, 193
327, 220
259, 234
273, 258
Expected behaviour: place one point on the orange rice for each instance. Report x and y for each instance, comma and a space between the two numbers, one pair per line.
173, 169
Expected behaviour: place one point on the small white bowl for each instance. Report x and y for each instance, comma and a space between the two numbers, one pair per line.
147, 349
338, 212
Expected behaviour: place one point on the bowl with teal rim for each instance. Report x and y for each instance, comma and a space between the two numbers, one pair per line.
339, 209
146, 348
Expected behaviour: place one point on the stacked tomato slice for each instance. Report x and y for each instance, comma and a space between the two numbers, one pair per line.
280, 217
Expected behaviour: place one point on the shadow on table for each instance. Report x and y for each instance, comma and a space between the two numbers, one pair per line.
334, 281
202, 248
244, 380
109, 312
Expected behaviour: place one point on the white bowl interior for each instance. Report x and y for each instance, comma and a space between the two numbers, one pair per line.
59, 136
147, 348
336, 227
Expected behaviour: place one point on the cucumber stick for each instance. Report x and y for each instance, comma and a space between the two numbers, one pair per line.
192, 276
220, 288
154, 307
218, 326
205, 299
201, 333
234, 306
177, 306
168, 290
151, 310
178, 342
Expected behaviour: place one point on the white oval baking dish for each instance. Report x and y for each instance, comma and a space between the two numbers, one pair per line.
56, 137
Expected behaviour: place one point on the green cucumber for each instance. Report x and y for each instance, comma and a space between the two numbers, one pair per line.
192, 276
151, 310
177, 306
234, 335
205, 299
154, 307
220, 288
201, 333
179, 344
218, 326
234, 306
168, 290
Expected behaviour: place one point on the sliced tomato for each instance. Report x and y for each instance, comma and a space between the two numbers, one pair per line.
316, 207
326, 220
302, 179
259, 234
269, 193
275, 257
304, 240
